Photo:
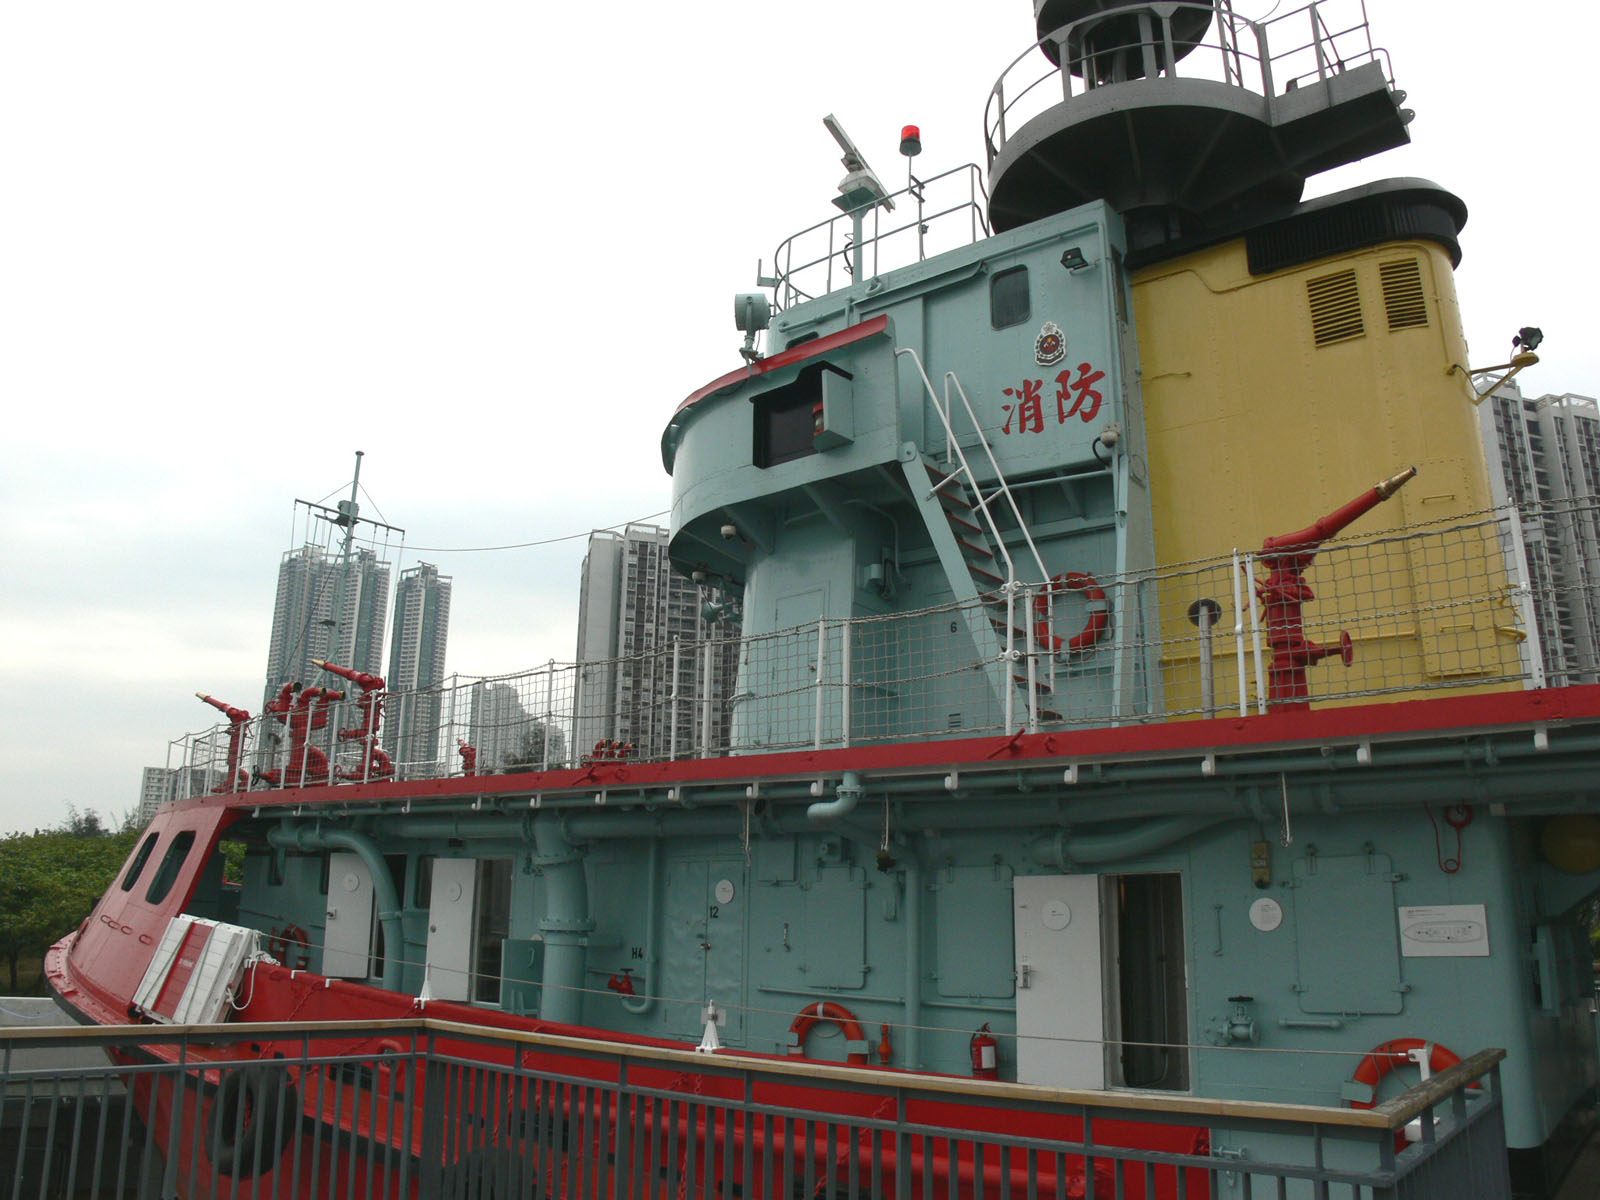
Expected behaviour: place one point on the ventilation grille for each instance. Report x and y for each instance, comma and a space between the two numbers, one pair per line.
1335, 308
1402, 293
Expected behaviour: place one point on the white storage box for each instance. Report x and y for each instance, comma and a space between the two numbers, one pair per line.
196, 971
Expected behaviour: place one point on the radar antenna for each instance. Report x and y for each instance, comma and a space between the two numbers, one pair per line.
859, 191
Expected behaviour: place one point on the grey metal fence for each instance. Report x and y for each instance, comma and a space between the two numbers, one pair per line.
435, 1109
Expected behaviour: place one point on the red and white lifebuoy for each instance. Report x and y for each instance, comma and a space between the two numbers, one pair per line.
1095, 626
1381, 1061
291, 939
812, 1015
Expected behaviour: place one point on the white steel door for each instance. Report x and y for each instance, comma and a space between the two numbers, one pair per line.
449, 956
347, 936
1060, 992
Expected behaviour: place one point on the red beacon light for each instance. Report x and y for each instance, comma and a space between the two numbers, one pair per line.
911, 141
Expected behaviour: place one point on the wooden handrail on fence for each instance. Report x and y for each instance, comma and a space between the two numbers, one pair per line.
1391, 1114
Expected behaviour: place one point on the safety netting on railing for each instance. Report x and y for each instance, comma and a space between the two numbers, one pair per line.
1505, 599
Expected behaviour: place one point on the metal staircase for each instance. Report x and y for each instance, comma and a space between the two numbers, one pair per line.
961, 523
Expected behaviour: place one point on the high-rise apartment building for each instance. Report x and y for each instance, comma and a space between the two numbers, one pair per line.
507, 736
632, 607
156, 787
329, 610
1544, 459
416, 665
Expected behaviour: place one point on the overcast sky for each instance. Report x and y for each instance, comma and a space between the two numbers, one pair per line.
493, 245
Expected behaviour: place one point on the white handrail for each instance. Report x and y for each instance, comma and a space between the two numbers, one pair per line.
966, 475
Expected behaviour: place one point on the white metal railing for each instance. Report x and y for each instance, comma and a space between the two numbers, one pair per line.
1271, 57
1428, 608
820, 258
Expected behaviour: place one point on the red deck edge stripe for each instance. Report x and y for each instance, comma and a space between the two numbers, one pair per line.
1446, 716
800, 353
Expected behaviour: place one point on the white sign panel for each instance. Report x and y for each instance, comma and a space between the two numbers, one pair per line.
1444, 931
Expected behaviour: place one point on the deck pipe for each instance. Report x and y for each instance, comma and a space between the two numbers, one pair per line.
639, 1005
910, 861
846, 796
911, 1038
566, 924
1217, 798
1062, 850
1336, 765
302, 837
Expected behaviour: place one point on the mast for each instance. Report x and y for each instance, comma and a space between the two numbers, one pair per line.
347, 515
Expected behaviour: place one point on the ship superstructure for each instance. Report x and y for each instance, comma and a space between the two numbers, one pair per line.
1136, 687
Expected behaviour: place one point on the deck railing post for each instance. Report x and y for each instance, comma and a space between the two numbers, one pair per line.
430, 1181
1238, 632
1255, 639
672, 699
1523, 591
1033, 666
822, 679
706, 661
844, 682
549, 712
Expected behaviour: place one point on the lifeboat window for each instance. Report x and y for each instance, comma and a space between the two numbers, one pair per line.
1008, 298
139, 860
171, 867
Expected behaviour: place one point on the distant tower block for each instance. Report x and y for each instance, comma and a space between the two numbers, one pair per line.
1185, 118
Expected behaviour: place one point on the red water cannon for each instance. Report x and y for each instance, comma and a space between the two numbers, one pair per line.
303, 710
375, 764
469, 756
237, 780
1284, 593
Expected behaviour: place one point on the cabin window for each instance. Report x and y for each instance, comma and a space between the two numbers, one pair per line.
171, 867
1008, 298
1151, 1004
1335, 302
493, 924
139, 860
786, 418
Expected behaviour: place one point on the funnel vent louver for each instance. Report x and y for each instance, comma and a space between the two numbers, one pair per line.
1402, 293
1335, 308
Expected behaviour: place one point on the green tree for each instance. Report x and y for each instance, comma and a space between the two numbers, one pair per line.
50, 880
530, 753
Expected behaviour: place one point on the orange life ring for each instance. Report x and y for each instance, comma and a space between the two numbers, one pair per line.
812, 1015
281, 941
1099, 620
1381, 1061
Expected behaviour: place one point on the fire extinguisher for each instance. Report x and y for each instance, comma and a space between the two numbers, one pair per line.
985, 1054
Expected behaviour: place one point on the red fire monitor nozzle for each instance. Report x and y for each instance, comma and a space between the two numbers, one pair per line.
375, 763
238, 719
1284, 592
